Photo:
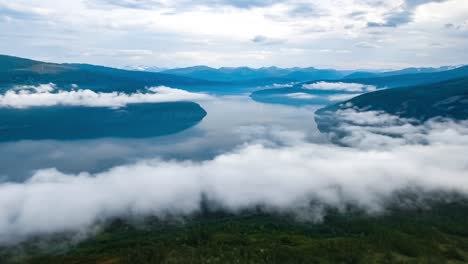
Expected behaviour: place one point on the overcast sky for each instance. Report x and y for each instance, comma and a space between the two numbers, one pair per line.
344, 34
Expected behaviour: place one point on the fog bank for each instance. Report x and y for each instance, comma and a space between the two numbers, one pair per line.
280, 178
50, 95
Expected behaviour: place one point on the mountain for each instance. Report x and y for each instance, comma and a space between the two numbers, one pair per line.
207, 73
362, 74
414, 233
298, 96
19, 71
243, 74
73, 122
408, 76
79, 122
413, 70
447, 99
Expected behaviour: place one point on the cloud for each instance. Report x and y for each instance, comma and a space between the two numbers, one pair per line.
366, 45
137, 4
402, 15
416, 3
306, 10
260, 39
240, 3
394, 19
340, 86
22, 12
49, 95
377, 129
341, 97
460, 26
301, 96
357, 14
185, 4
220, 32
284, 178
219, 132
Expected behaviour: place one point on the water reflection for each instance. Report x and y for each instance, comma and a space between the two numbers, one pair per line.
232, 121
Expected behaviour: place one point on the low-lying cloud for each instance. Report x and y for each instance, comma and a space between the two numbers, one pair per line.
287, 178
340, 86
341, 97
51, 95
303, 96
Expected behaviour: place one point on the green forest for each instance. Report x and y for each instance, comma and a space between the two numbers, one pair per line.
419, 234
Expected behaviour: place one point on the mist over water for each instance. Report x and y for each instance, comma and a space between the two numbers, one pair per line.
242, 155
231, 122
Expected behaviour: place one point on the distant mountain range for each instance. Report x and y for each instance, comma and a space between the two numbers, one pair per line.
19, 71
249, 75
425, 76
14, 70
299, 95
366, 74
226, 74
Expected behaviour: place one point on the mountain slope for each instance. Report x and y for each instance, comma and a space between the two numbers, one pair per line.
413, 79
446, 99
298, 95
19, 71
413, 70
256, 237
79, 122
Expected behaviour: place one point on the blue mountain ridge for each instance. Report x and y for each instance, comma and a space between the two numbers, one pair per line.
81, 122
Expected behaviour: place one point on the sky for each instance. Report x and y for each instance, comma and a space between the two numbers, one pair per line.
342, 34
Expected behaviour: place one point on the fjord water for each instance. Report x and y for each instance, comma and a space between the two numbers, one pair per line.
120, 136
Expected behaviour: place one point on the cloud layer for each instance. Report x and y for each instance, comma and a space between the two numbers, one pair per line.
283, 178
345, 34
50, 95
340, 86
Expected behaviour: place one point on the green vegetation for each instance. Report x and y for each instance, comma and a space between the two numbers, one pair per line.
18, 71
418, 235
445, 99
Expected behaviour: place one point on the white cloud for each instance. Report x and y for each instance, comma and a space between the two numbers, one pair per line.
282, 85
340, 86
50, 95
374, 118
225, 28
341, 97
303, 96
283, 178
